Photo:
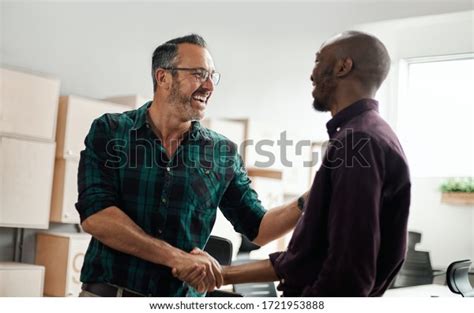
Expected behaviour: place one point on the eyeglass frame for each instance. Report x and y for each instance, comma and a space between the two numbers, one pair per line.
198, 70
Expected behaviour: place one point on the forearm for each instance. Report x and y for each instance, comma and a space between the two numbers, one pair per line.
278, 221
259, 271
116, 230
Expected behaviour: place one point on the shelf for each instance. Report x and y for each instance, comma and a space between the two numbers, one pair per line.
465, 198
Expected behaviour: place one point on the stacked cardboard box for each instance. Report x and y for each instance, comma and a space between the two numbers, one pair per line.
21, 280
75, 117
28, 110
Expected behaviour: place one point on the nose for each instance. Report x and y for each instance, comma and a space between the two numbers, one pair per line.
208, 84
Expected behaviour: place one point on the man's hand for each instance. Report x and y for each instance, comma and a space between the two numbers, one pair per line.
199, 270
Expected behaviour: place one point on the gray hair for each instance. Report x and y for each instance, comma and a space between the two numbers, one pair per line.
165, 55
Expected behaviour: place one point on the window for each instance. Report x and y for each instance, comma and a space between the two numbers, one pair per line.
436, 117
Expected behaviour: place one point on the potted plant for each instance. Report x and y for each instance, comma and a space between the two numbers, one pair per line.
458, 191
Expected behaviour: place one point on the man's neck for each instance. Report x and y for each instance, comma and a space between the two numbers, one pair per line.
346, 99
169, 126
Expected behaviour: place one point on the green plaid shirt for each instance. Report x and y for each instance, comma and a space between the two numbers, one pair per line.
175, 200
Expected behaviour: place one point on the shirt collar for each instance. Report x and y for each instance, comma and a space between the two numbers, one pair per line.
349, 113
140, 119
195, 133
198, 132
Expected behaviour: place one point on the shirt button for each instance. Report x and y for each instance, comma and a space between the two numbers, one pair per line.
282, 280
338, 129
168, 169
147, 125
207, 172
163, 200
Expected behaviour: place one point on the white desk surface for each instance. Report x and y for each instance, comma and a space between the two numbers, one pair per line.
422, 291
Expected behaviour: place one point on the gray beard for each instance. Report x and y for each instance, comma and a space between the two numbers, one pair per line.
183, 104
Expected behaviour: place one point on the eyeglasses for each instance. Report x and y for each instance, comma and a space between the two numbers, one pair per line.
199, 73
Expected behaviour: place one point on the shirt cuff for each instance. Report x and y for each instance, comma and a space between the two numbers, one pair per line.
87, 209
275, 259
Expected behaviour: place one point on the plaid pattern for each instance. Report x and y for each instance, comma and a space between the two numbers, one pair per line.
175, 200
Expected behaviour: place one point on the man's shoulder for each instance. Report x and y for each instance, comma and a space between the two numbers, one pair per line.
372, 130
218, 138
371, 125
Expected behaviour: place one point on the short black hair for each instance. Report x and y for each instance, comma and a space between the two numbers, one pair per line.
370, 56
165, 54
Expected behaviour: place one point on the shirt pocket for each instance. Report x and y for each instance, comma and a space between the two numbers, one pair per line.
204, 188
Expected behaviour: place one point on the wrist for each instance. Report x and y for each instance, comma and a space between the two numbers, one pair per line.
174, 257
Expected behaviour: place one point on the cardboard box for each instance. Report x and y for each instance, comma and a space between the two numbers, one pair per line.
26, 179
75, 117
62, 255
21, 280
64, 195
28, 105
132, 101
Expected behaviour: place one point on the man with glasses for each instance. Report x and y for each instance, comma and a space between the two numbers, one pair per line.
150, 181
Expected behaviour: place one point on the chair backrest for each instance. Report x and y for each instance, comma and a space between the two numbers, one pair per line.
220, 249
413, 239
416, 269
247, 246
457, 278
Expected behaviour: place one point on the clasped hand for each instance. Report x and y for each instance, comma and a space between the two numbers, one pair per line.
199, 270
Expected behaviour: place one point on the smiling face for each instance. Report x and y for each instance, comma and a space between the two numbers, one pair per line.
324, 79
189, 94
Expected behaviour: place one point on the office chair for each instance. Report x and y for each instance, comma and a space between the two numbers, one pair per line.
457, 278
417, 269
221, 250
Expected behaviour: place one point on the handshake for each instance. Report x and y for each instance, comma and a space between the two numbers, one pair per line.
199, 270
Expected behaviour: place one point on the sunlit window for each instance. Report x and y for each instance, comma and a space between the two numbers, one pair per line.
436, 118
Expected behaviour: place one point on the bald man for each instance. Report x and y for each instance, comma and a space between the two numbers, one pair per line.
351, 238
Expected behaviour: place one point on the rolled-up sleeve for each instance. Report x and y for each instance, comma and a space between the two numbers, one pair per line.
240, 203
97, 182
275, 259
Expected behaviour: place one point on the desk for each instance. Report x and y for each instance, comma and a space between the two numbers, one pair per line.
421, 291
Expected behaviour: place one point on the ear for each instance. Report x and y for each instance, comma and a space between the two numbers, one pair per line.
163, 79
344, 67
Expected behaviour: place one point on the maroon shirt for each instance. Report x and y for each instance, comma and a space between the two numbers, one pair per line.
351, 238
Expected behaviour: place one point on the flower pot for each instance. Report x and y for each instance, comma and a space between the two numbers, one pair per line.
458, 197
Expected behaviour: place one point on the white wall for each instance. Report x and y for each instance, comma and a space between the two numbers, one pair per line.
264, 51
448, 230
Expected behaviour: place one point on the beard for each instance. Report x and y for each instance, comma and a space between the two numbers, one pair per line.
320, 106
325, 89
183, 103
